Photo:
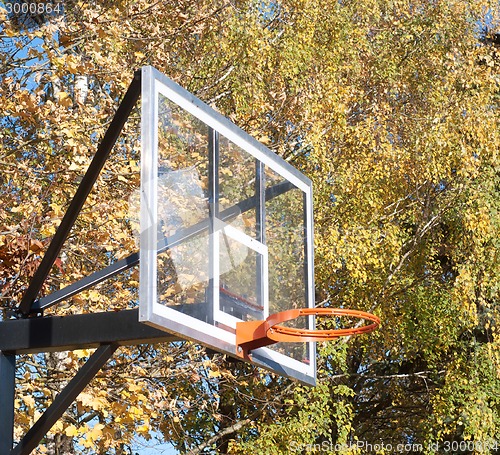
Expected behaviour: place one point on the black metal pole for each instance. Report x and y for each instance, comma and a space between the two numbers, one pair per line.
7, 391
64, 400
81, 194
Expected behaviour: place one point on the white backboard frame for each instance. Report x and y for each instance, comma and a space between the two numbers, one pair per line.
165, 318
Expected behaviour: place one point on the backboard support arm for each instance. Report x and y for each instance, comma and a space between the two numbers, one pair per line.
104, 351
86, 185
184, 234
52, 414
104, 331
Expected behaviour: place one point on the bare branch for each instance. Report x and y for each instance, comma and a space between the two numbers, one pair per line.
232, 429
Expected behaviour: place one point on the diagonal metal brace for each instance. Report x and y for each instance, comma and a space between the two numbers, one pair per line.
64, 400
130, 261
81, 194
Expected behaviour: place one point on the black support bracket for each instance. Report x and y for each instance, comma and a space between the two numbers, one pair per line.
78, 331
33, 437
169, 242
103, 331
90, 177
41, 334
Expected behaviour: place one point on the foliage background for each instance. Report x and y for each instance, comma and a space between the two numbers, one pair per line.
389, 106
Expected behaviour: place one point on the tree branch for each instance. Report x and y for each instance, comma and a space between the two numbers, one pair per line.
232, 429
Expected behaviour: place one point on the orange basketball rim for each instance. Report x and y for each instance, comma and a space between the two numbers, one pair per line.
256, 334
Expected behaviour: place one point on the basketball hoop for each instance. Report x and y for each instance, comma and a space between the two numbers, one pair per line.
256, 334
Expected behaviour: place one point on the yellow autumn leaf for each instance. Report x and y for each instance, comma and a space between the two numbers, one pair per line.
81, 353
57, 427
134, 410
143, 429
48, 230
28, 400
56, 208
64, 99
71, 431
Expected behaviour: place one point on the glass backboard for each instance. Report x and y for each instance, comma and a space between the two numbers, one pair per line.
226, 229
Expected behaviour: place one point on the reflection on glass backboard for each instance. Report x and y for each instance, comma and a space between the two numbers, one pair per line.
225, 229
